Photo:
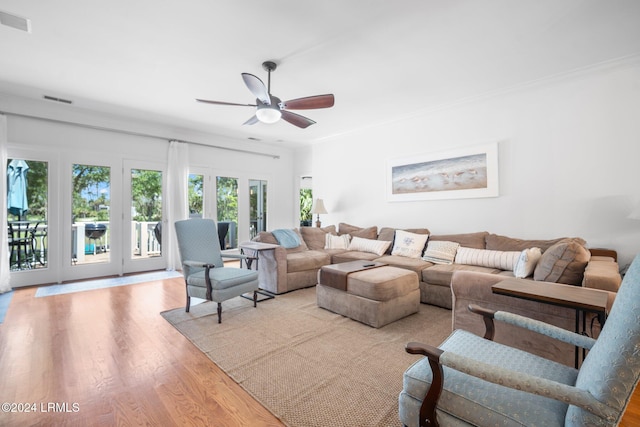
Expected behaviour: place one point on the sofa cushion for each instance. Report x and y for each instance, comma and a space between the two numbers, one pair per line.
307, 260
441, 251
377, 247
413, 264
354, 231
266, 237
468, 240
337, 242
563, 262
337, 258
503, 243
504, 260
441, 274
409, 244
314, 237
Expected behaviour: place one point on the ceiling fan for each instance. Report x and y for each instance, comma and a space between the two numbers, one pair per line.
270, 109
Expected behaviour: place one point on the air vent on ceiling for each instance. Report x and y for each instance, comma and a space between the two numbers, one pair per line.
15, 21
53, 98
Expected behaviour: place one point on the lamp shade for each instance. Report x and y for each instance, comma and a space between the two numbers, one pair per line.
318, 207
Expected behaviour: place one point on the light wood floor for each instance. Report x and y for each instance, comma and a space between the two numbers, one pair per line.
106, 357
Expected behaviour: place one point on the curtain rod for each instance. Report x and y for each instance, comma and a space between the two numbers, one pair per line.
127, 132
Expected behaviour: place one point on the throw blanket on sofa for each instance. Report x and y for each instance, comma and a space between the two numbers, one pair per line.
286, 238
335, 275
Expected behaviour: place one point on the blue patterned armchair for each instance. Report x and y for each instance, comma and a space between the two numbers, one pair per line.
470, 380
204, 272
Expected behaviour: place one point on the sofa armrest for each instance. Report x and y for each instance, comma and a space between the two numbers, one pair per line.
602, 273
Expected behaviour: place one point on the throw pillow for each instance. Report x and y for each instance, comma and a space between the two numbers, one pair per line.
337, 242
503, 260
377, 247
286, 238
440, 251
409, 244
314, 237
563, 262
527, 262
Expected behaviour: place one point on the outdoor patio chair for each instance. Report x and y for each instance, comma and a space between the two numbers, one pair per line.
470, 380
204, 272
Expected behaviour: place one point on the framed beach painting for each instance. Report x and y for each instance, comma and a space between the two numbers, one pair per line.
461, 173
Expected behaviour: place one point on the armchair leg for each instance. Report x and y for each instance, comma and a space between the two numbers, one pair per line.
219, 312
255, 298
188, 303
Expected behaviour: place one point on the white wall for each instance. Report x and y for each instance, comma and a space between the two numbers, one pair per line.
569, 149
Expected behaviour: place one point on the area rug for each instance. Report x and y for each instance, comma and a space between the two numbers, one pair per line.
309, 366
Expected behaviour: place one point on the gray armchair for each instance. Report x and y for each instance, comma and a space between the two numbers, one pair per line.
204, 272
470, 380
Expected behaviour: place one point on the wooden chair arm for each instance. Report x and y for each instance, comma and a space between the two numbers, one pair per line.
430, 402
487, 316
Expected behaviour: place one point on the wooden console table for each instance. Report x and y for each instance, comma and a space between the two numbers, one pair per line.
585, 300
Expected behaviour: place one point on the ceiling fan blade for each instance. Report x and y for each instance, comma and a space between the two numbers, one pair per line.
224, 103
310, 102
257, 88
296, 119
252, 121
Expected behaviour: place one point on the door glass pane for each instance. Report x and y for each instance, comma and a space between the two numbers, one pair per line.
196, 200
227, 207
90, 214
27, 218
257, 206
306, 203
146, 213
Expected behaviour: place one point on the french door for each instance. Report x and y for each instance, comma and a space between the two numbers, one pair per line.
144, 185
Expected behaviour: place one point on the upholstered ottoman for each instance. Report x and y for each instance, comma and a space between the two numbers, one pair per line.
376, 296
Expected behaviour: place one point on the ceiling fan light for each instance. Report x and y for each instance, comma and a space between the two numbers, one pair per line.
268, 114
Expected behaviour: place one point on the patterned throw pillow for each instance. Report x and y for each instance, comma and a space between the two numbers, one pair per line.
440, 251
527, 262
377, 247
503, 260
337, 242
409, 244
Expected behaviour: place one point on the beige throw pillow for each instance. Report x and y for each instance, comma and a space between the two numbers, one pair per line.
503, 260
409, 244
527, 262
377, 247
440, 251
563, 262
337, 242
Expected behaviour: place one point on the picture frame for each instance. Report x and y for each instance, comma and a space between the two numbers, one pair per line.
470, 172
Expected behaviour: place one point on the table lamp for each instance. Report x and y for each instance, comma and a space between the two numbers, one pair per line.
318, 208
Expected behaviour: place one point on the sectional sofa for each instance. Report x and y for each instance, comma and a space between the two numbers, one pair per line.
561, 260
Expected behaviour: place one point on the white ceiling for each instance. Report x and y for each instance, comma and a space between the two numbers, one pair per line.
383, 60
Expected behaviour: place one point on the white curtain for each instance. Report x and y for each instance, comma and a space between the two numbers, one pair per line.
177, 200
4, 234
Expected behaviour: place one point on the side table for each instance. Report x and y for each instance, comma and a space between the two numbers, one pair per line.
253, 249
585, 300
